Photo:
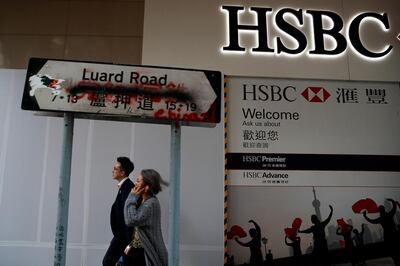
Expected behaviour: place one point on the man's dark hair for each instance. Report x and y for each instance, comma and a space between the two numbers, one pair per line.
126, 165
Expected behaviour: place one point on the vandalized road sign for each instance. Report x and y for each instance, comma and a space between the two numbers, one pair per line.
127, 92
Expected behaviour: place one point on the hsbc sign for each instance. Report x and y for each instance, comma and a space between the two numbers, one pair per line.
288, 22
275, 93
316, 94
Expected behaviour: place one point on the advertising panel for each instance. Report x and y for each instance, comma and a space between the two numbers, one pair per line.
303, 148
302, 132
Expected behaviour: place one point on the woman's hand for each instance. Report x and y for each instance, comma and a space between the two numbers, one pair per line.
136, 190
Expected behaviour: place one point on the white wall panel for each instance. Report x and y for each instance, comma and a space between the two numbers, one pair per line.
110, 140
22, 168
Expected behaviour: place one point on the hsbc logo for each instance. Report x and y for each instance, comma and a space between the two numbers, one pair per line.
283, 92
279, 93
290, 22
316, 94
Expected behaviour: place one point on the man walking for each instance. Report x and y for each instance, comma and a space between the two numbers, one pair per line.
122, 234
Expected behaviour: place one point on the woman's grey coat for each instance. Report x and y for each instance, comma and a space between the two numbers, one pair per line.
147, 217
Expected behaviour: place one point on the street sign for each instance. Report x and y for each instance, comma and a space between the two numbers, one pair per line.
123, 92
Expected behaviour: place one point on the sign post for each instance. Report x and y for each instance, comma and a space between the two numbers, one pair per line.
63, 191
175, 193
142, 94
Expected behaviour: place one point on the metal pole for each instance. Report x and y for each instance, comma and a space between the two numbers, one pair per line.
174, 193
63, 191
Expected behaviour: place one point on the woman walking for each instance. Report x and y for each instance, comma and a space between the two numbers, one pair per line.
142, 211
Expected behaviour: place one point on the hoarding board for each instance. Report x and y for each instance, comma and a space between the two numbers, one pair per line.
296, 147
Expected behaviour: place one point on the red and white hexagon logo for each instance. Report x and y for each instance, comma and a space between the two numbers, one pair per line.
316, 94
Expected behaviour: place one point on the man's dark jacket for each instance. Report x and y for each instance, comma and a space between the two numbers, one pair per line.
120, 231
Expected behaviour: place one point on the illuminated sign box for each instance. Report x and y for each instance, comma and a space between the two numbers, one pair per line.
123, 92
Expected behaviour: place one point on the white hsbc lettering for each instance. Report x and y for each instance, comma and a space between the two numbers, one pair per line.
319, 32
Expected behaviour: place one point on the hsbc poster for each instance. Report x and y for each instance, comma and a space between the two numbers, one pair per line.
296, 147
304, 132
